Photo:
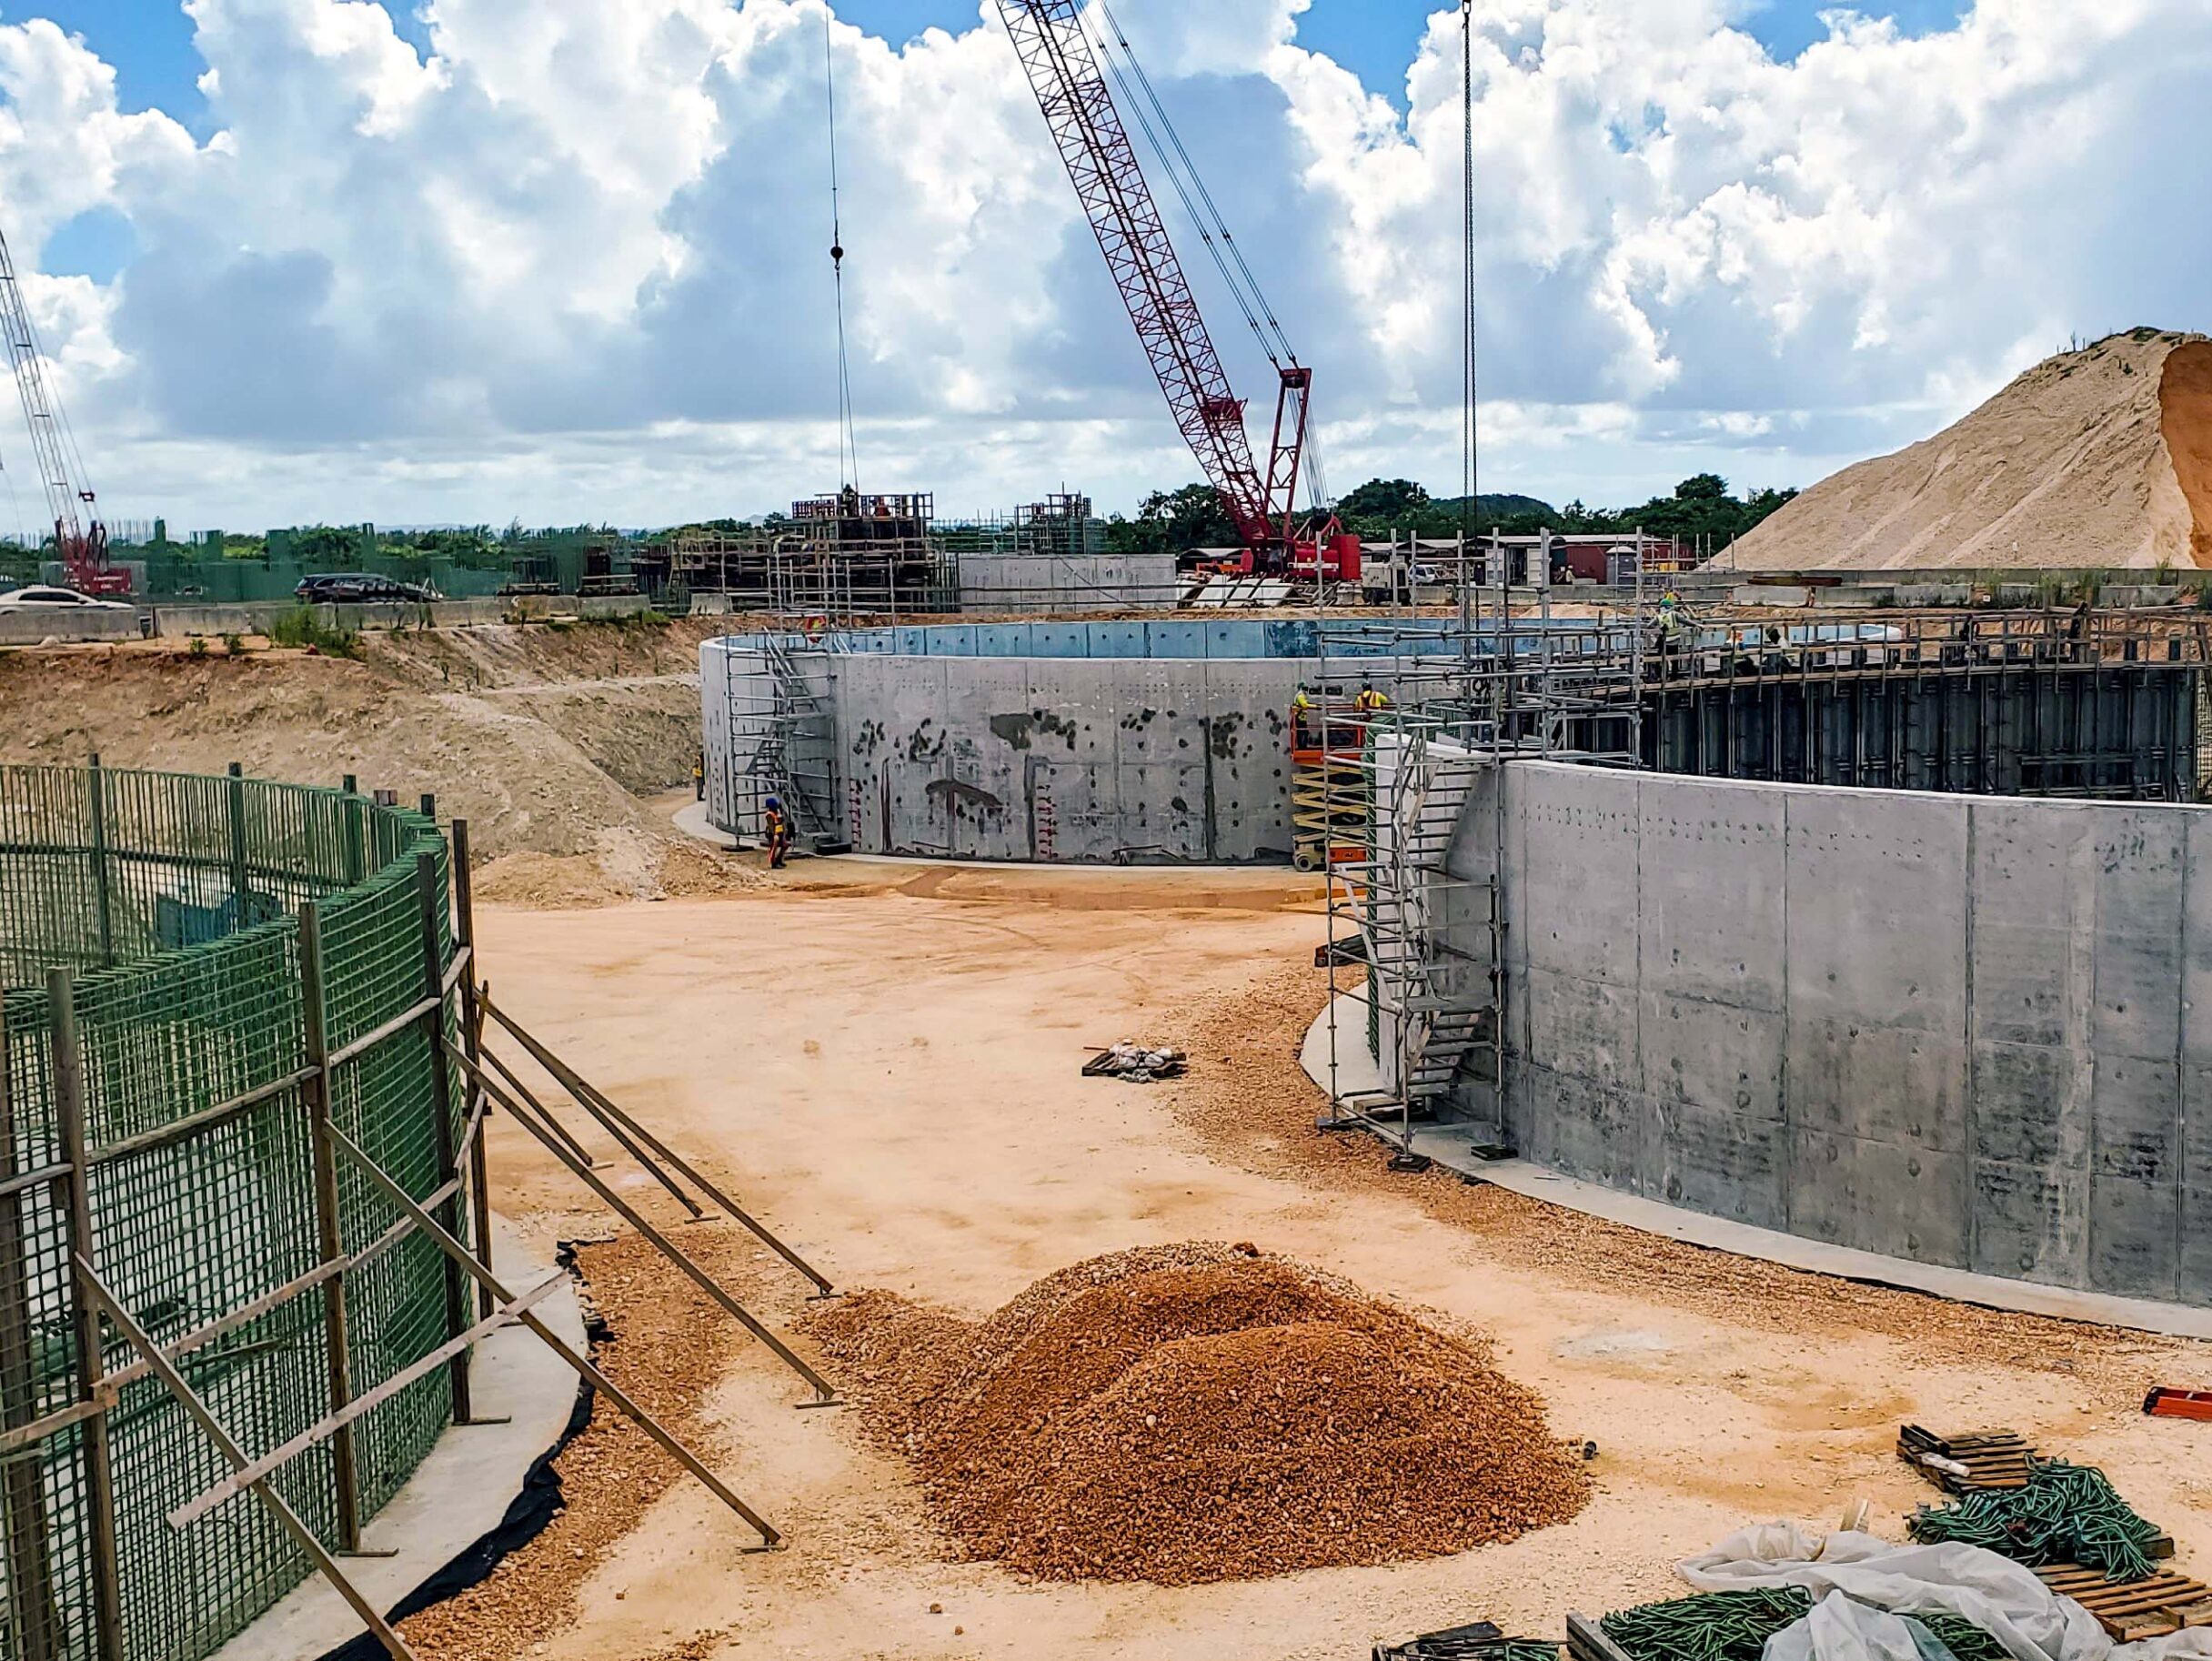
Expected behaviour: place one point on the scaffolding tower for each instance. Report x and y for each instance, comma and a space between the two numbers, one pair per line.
843, 558
782, 739
1408, 719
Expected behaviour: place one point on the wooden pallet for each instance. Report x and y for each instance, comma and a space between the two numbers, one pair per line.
1990, 1458
2133, 1610
1586, 1641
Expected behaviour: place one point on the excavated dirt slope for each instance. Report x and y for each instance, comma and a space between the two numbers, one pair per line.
1202, 1412
2098, 458
543, 738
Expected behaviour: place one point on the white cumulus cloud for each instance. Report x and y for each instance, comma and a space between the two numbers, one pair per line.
571, 262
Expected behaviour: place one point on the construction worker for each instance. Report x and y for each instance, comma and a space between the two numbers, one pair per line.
776, 831
1372, 700
699, 777
1302, 719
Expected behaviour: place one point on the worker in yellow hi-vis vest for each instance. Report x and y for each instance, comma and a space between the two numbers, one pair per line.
776, 831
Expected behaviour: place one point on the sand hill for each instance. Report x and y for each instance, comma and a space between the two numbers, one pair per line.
2100, 458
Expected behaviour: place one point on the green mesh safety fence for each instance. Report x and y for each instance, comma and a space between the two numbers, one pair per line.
175, 903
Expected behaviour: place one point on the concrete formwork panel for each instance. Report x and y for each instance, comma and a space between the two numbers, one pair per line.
1974, 1033
1246, 747
1113, 640
1061, 640
1576, 880
2196, 1049
980, 799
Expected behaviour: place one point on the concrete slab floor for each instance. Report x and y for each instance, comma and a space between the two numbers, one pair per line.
461, 1491
1451, 1146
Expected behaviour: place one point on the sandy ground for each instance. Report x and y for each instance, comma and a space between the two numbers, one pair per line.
884, 1062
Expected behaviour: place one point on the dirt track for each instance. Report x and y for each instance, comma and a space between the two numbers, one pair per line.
885, 1061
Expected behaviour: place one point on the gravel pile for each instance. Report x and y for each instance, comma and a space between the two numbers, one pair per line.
1202, 1412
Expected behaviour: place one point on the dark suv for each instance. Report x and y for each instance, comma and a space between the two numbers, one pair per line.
360, 588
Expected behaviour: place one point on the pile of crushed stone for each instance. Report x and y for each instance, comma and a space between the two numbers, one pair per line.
1201, 1413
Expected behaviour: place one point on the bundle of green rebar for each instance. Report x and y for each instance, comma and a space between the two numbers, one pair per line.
1964, 1640
2066, 1514
1715, 1626
1736, 1626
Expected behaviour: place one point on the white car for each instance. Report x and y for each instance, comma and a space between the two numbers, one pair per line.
38, 598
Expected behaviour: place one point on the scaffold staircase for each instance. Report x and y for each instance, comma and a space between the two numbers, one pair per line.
793, 750
1439, 1030
1436, 1001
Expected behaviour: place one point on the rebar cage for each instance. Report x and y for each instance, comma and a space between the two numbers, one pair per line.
161, 938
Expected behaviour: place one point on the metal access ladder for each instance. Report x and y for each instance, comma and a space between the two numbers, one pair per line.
794, 753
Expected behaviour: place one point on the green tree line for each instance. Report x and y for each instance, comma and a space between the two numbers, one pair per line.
1700, 506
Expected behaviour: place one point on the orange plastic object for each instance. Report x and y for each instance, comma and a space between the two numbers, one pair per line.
2168, 1404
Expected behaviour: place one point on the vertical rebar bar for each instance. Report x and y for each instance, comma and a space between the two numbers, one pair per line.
441, 1108
25, 1550
95, 804
240, 883
329, 1224
66, 1058
472, 1042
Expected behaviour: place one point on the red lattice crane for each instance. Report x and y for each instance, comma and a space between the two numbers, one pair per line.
79, 538
1064, 70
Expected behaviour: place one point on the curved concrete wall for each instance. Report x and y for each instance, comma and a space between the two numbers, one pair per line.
1971, 1033
1077, 743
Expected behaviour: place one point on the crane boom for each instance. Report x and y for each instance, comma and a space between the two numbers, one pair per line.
1063, 69
79, 538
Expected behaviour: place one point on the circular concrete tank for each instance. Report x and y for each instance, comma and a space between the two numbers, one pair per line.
1163, 744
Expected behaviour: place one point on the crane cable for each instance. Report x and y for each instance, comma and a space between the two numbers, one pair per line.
1470, 471
1228, 257
849, 448
1175, 160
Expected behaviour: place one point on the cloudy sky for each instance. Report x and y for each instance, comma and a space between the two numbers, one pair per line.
567, 260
